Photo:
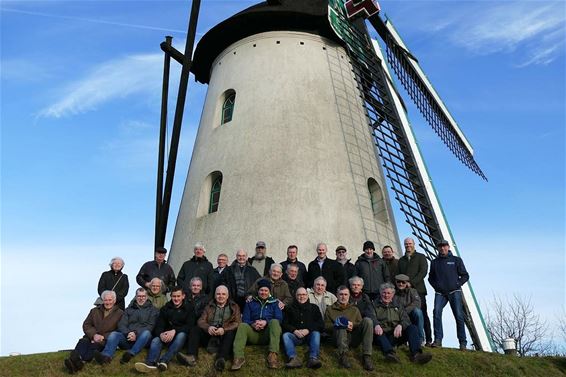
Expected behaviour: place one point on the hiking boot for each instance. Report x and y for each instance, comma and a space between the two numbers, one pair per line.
392, 357
314, 363
428, 344
344, 361
421, 358
295, 362
70, 367
213, 345
272, 360
436, 344
237, 363
188, 360
463, 347
126, 357
219, 364
162, 366
145, 368
101, 359
367, 362
76, 360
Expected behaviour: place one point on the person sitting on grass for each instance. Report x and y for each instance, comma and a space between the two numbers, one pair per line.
134, 330
260, 325
97, 326
174, 324
156, 293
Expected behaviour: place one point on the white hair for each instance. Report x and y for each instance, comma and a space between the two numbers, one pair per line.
108, 293
199, 245
117, 259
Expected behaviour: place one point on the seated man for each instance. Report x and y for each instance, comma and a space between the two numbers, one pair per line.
393, 327
260, 325
156, 293
293, 279
345, 322
134, 330
302, 323
97, 326
279, 287
173, 326
196, 297
218, 322
359, 298
319, 296
409, 299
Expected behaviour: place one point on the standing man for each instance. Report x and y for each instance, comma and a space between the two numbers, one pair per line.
391, 262
372, 269
342, 258
222, 263
239, 277
415, 266
259, 261
292, 255
197, 266
447, 275
331, 270
157, 268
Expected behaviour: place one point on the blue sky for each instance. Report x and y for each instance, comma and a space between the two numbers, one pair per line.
80, 101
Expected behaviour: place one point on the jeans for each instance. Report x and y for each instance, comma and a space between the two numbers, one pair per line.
174, 346
387, 341
117, 339
456, 304
417, 319
290, 341
246, 334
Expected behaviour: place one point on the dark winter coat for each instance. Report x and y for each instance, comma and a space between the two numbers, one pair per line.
108, 279
392, 266
151, 270
198, 302
374, 272
447, 273
138, 318
180, 319
196, 267
363, 303
416, 269
96, 323
294, 284
229, 278
302, 268
349, 271
389, 316
408, 298
302, 316
332, 271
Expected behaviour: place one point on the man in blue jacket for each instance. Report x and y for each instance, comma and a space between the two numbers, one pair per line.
260, 325
447, 275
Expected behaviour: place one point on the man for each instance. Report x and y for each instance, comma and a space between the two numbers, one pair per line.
279, 287
197, 266
292, 253
259, 261
372, 269
415, 266
157, 268
156, 294
391, 262
342, 258
218, 323
358, 297
329, 269
293, 279
392, 327
173, 327
239, 277
196, 297
260, 325
302, 323
408, 298
447, 275
134, 330
349, 329
320, 296
97, 326
222, 263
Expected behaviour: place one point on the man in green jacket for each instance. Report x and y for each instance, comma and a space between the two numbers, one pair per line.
349, 329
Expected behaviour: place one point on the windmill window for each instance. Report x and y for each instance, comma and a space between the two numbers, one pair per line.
378, 205
215, 194
228, 106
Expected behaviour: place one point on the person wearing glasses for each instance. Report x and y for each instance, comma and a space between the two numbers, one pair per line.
342, 258
410, 300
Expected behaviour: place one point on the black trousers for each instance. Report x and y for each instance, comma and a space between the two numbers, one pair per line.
199, 336
427, 329
86, 348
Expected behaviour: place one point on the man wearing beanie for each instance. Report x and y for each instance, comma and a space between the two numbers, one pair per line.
260, 325
372, 269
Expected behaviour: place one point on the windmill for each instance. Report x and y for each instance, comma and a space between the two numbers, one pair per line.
306, 76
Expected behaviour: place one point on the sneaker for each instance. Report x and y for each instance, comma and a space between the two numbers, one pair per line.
145, 368
126, 357
344, 361
367, 362
272, 360
295, 362
314, 363
213, 345
70, 367
428, 344
421, 358
436, 344
237, 363
219, 364
392, 357
162, 366
101, 358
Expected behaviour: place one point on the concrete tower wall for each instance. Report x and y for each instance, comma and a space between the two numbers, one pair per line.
295, 159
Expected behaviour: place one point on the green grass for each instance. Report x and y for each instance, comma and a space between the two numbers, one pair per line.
445, 362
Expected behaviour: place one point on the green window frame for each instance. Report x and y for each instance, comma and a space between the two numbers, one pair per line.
215, 195
228, 107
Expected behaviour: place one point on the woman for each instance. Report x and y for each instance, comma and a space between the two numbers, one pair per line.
115, 280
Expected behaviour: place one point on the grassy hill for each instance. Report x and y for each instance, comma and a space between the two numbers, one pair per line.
445, 362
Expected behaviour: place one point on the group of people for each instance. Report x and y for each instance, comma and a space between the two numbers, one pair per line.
377, 300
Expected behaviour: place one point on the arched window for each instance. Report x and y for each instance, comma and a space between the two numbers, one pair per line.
228, 106
215, 194
377, 201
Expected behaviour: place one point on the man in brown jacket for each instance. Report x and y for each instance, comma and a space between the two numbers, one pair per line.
279, 287
349, 329
97, 326
216, 327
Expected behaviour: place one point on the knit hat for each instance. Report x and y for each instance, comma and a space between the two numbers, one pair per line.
368, 245
264, 283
